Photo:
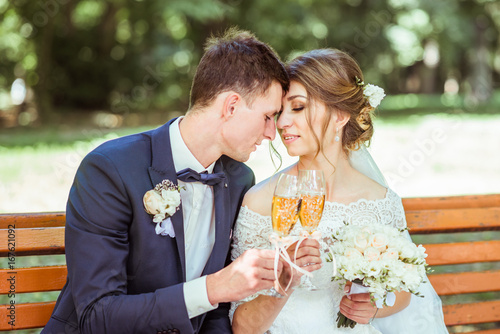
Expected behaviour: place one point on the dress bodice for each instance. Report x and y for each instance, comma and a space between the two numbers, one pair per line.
306, 310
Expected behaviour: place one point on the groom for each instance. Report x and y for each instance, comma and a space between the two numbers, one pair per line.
128, 275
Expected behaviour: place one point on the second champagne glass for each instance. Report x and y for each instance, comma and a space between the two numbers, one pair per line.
312, 191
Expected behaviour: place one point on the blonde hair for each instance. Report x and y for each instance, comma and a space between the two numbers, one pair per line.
330, 76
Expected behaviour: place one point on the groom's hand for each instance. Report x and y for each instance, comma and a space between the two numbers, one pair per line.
251, 272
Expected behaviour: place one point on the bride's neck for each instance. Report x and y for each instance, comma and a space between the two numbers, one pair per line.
336, 168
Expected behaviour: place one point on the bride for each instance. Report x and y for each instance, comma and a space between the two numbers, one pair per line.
326, 121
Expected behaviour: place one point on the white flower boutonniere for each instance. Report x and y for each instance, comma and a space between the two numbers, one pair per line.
162, 202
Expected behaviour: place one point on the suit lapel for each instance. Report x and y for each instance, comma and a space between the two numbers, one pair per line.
162, 168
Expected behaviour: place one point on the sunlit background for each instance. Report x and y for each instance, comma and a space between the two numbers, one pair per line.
74, 74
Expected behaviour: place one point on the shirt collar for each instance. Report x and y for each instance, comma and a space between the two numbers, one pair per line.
182, 156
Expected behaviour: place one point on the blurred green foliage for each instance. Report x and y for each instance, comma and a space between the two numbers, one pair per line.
130, 55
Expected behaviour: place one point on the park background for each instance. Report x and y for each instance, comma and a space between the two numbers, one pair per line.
75, 73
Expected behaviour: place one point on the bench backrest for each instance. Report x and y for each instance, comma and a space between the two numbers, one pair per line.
24, 235
42, 234
472, 290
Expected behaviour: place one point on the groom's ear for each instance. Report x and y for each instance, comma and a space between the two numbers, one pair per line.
231, 104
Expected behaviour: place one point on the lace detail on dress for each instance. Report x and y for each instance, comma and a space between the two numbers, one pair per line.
387, 211
306, 310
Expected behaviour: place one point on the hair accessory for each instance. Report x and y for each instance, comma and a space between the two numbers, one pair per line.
374, 94
359, 82
337, 138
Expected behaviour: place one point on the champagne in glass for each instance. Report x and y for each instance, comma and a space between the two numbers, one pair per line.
285, 205
311, 210
312, 191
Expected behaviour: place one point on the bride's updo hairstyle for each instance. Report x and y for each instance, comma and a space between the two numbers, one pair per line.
334, 78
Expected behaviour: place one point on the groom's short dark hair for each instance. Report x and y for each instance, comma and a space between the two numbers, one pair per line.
236, 61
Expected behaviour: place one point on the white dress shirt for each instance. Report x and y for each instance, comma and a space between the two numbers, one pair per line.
198, 213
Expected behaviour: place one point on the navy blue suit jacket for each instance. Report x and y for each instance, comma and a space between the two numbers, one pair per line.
122, 276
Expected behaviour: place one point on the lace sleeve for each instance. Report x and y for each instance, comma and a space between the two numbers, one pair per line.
395, 210
251, 231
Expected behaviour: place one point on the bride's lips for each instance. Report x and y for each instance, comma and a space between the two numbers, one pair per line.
289, 138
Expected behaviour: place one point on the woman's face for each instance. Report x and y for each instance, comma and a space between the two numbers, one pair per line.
292, 124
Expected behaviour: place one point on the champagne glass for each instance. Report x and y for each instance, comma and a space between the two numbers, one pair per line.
285, 211
312, 191
285, 205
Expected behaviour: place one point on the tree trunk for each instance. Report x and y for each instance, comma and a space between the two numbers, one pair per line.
481, 76
43, 96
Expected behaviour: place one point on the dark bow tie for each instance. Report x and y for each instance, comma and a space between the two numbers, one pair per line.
189, 175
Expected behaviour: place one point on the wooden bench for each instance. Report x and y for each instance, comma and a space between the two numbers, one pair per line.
42, 235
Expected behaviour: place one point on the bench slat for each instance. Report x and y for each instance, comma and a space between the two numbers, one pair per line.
27, 220
34, 241
453, 220
472, 313
452, 202
29, 315
466, 282
488, 331
463, 252
34, 279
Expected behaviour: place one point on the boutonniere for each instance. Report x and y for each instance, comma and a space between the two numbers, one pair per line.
162, 202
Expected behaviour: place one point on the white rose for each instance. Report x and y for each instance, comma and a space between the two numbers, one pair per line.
390, 254
171, 197
352, 253
367, 229
153, 202
371, 254
361, 241
398, 243
379, 241
374, 94
409, 251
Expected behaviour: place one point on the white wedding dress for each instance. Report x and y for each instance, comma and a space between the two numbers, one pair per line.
307, 310
316, 311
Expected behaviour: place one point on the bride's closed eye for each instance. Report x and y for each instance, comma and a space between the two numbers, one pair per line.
298, 108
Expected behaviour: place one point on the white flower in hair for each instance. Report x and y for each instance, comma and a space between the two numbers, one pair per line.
374, 94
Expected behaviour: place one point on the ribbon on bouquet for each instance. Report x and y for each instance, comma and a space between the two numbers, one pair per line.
281, 244
390, 297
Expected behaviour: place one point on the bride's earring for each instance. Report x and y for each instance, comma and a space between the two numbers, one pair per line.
337, 138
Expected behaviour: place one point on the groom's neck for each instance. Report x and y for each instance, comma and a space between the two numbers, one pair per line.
200, 133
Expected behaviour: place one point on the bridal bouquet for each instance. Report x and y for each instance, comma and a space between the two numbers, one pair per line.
378, 259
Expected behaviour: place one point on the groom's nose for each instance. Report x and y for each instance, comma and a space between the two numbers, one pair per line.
270, 130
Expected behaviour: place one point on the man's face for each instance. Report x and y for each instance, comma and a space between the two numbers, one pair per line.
252, 124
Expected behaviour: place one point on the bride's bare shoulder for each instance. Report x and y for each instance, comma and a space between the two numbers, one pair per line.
259, 198
371, 189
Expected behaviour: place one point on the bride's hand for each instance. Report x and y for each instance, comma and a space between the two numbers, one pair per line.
357, 307
308, 258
